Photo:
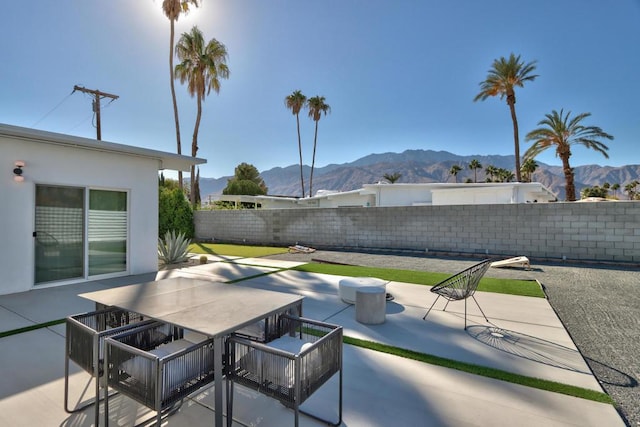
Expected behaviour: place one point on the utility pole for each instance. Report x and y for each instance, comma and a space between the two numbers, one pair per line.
96, 104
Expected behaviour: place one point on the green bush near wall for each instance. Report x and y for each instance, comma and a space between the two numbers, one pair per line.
175, 212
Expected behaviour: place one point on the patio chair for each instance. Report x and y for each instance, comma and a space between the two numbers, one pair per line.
157, 365
290, 368
460, 287
84, 345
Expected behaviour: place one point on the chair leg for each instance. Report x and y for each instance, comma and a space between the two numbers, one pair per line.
485, 316
434, 303
229, 388
465, 314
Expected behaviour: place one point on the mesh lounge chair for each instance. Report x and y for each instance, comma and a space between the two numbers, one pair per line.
290, 368
85, 335
460, 287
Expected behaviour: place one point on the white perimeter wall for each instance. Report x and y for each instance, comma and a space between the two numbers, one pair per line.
58, 165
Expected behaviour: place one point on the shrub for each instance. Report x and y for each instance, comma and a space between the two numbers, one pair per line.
175, 212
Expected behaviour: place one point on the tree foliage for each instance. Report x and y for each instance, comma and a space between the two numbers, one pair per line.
246, 181
392, 177
502, 79
560, 131
175, 212
202, 66
172, 9
296, 102
595, 191
316, 107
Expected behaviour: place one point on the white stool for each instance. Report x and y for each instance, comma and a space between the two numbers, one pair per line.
347, 287
371, 305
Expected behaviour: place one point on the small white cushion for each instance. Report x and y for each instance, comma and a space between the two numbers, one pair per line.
282, 375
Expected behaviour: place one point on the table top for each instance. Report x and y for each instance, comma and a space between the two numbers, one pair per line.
211, 308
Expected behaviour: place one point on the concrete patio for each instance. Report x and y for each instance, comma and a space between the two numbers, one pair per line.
379, 389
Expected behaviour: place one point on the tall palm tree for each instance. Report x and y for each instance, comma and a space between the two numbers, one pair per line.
475, 165
316, 106
503, 77
295, 102
528, 168
202, 66
454, 171
561, 132
172, 10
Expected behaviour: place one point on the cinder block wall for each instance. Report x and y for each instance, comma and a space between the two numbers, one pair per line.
606, 231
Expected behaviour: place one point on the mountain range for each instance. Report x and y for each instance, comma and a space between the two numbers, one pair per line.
416, 166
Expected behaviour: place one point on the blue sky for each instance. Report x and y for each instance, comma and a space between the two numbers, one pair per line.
398, 74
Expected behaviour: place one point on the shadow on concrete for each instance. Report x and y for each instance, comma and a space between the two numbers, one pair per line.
529, 347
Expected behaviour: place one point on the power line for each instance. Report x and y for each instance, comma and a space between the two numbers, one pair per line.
52, 110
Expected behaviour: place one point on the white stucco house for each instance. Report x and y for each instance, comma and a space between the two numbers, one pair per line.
383, 195
76, 209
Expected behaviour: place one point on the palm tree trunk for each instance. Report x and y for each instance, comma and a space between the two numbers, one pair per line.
173, 97
300, 152
194, 150
570, 188
511, 100
313, 161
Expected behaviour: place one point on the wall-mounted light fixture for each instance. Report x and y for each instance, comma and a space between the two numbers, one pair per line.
17, 172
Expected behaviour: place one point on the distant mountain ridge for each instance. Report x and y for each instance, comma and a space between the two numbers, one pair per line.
417, 166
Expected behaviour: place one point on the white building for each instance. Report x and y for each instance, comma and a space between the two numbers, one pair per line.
76, 209
382, 194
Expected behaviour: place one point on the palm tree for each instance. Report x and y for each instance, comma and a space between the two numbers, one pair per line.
202, 67
492, 172
615, 187
392, 177
504, 175
631, 189
295, 102
475, 165
316, 106
172, 10
528, 168
562, 132
503, 77
454, 171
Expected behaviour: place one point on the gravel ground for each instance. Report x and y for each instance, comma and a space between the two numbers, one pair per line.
599, 306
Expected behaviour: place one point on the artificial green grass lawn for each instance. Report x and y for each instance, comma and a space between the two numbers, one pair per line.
528, 288
235, 250
484, 371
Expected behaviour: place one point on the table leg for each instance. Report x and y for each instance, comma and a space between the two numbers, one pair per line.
218, 344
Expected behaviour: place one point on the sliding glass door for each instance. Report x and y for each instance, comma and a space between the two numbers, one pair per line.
75, 239
59, 233
107, 232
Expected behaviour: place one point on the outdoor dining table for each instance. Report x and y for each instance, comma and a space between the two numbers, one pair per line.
210, 308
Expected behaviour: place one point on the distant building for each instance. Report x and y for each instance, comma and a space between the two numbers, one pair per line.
427, 194
76, 209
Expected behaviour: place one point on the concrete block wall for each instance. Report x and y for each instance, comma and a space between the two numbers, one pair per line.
606, 231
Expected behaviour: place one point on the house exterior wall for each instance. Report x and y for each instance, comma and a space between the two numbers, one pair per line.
403, 195
605, 231
474, 196
67, 166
